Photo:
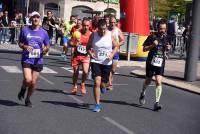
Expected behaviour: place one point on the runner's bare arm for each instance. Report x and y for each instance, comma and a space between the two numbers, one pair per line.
121, 38
89, 46
115, 47
25, 47
46, 48
149, 47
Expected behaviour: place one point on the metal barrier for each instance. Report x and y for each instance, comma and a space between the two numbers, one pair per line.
130, 44
180, 47
9, 34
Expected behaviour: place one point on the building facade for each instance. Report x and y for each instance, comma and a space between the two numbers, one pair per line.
66, 8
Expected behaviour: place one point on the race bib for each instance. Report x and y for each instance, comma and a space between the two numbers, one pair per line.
81, 49
102, 55
35, 53
157, 61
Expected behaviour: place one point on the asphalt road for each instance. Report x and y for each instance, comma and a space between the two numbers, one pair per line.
57, 113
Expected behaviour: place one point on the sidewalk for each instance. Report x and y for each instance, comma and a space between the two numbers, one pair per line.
174, 74
174, 69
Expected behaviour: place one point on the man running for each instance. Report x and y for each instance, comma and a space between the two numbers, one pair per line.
34, 42
80, 57
102, 47
120, 39
157, 44
67, 35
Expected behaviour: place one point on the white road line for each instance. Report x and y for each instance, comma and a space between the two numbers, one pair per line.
152, 85
47, 70
126, 130
120, 84
76, 99
11, 69
70, 69
4, 80
46, 80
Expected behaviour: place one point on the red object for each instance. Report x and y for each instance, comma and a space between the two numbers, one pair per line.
135, 16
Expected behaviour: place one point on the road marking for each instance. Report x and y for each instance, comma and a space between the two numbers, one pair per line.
15, 69
70, 69
47, 70
46, 80
152, 85
76, 99
11, 69
121, 127
4, 80
119, 84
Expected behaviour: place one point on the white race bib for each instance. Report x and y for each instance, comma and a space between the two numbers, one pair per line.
81, 49
157, 61
35, 53
102, 55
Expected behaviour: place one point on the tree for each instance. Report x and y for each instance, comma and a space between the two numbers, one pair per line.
164, 7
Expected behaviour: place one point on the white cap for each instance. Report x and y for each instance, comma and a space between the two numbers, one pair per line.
35, 13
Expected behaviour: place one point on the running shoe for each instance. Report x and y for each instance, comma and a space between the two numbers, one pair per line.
82, 88
21, 93
97, 108
28, 103
103, 90
142, 99
62, 54
65, 58
74, 91
157, 106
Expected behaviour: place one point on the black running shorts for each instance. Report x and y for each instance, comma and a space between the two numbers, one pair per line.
101, 70
153, 70
34, 67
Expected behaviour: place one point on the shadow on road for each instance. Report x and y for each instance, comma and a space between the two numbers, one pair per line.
56, 91
125, 103
9, 103
70, 104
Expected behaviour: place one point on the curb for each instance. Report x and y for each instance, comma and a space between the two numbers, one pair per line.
174, 83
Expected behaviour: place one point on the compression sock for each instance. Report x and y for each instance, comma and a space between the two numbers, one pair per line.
158, 93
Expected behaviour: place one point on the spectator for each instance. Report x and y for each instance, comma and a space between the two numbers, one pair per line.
12, 31
171, 32
186, 35
48, 23
1, 25
5, 23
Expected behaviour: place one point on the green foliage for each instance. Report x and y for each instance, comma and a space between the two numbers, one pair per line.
164, 7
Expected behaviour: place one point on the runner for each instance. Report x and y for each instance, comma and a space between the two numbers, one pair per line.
156, 44
120, 39
67, 35
101, 47
34, 41
80, 40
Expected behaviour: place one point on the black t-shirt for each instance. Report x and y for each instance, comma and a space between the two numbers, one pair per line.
47, 27
159, 49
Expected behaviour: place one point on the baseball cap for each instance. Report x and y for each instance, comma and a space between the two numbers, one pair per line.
34, 13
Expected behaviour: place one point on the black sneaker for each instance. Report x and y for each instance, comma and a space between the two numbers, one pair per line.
28, 103
157, 106
21, 93
141, 99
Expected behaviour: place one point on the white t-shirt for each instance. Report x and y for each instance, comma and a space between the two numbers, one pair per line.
102, 47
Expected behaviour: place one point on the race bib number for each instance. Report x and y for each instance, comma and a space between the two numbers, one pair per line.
35, 53
157, 61
81, 49
102, 55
